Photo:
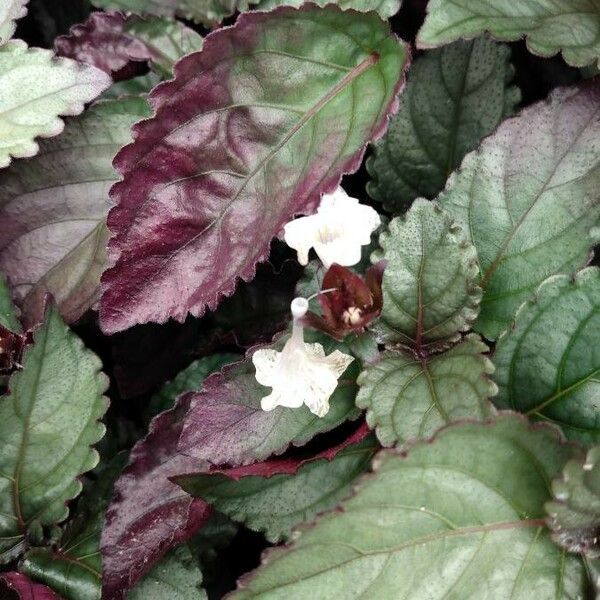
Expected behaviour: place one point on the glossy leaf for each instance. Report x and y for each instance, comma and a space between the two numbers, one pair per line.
459, 517
548, 362
226, 425
54, 208
34, 90
10, 12
529, 199
8, 311
548, 26
176, 577
254, 151
112, 41
149, 515
48, 422
454, 97
385, 8
574, 512
74, 567
18, 587
275, 495
409, 398
430, 291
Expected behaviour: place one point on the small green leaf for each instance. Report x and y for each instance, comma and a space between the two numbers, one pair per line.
10, 11
410, 398
430, 291
528, 197
574, 513
35, 88
385, 8
570, 26
8, 311
48, 422
176, 577
190, 379
455, 96
138, 86
548, 362
275, 504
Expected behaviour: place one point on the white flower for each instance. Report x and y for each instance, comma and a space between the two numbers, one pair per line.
337, 231
300, 373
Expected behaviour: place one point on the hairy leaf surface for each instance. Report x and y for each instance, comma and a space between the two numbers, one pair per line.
571, 27
16, 586
34, 90
10, 12
459, 517
430, 291
48, 422
454, 97
548, 362
234, 152
385, 8
53, 209
529, 199
409, 398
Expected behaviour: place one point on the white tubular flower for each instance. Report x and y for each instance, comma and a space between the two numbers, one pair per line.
337, 231
300, 373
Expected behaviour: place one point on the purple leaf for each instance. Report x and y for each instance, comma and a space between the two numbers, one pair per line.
252, 130
149, 514
24, 588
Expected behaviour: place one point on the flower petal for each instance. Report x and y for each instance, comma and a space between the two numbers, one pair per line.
301, 234
266, 362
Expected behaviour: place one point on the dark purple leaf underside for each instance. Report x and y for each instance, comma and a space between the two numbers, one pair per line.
252, 130
23, 588
149, 514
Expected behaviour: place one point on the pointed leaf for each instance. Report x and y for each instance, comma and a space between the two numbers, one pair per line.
457, 517
275, 495
430, 291
18, 587
207, 186
112, 41
529, 199
48, 422
548, 26
10, 12
35, 89
385, 8
8, 311
548, 362
454, 97
149, 514
574, 513
226, 425
176, 577
409, 398
54, 210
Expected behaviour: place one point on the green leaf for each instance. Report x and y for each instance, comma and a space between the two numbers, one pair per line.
138, 86
459, 517
57, 203
35, 88
10, 11
385, 8
176, 577
410, 398
529, 199
190, 379
275, 504
74, 568
430, 291
455, 96
574, 513
548, 362
570, 26
47, 424
8, 311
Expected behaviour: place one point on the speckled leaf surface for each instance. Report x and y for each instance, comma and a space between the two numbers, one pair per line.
207, 186
529, 199
35, 89
430, 291
408, 398
53, 209
459, 517
548, 362
549, 26
8, 311
18, 587
454, 97
10, 12
385, 8
48, 423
